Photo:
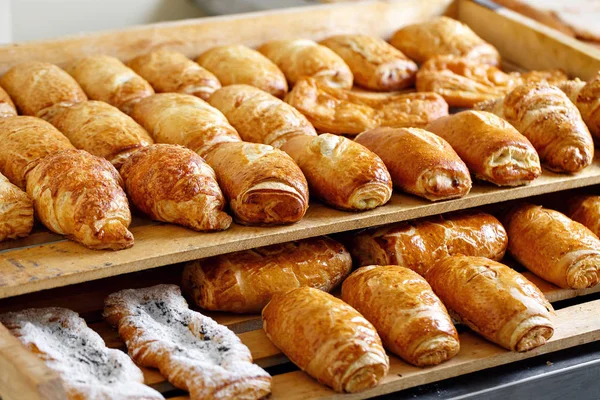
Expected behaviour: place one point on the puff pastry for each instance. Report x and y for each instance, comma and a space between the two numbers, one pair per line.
184, 119
37, 86
586, 96
170, 71
411, 320
260, 117
106, 78
374, 63
443, 36
546, 116
301, 57
418, 244
263, 184
494, 300
341, 172
100, 129
81, 196
245, 281
16, 211
326, 338
491, 147
191, 350
339, 111
173, 184
586, 211
7, 107
240, 64
434, 170
25, 141
87, 368
553, 247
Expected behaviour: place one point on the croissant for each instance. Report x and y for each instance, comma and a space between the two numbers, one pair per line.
553, 125
586, 97
346, 112
586, 211
553, 247
25, 141
80, 196
409, 317
16, 212
375, 64
37, 86
101, 130
429, 167
173, 184
494, 300
7, 107
326, 338
169, 71
341, 172
260, 117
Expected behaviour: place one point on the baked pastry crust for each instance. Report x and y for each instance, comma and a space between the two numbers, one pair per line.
586, 96
191, 350
16, 211
586, 211
375, 64
245, 281
7, 107
326, 338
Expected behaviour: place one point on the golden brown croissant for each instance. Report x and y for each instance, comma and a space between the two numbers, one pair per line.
25, 141
170, 71
260, 117
16, 211
108, 79
411, 320
173, 184
301, 57
7, 107
553, 247
375, 64
341, 172
428, 166
332, 110
553, 125
37, 86
443, 36
586, 211
326, 338
419, 244
245, 281
586, 96
491, 147
100, 129
80, 196
240, 64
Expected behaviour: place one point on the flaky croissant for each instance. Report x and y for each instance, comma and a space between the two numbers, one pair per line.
16, 212
586, 96
7, 107
586, 211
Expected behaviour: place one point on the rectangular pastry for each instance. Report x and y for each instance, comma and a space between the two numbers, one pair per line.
16, 211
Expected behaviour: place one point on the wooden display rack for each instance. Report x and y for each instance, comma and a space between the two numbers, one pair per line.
46, 261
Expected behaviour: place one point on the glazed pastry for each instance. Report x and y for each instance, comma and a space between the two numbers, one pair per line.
191, 350
184, 119
411, 320
16, 212
494, 300
375, 64
301, 57
546, 116
260, 117
263, 184
108, 79
586, 96
7, 107
339, 111
245, 281
326, 338
428, 166
81, 196
492, 148
170, 71
443, 36
240, 64
173, 184
341, 172
87, 368
418, 244
553, 247
586, 211
101, 130
25, 141
37, 86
